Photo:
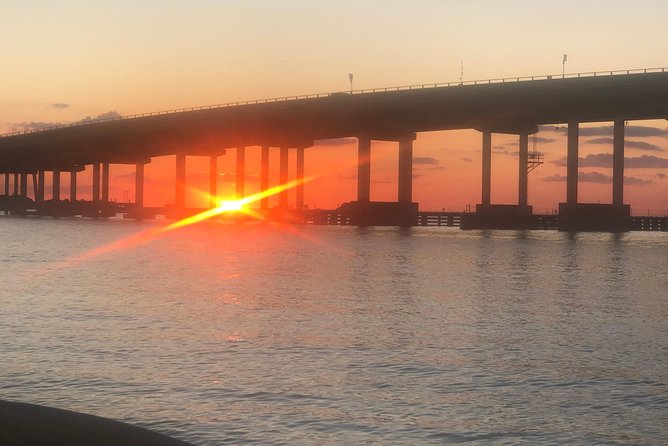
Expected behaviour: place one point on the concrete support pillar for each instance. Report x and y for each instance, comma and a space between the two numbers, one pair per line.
96, 182
241, 171
405, 178
283, 177
363, 169
264, 176
618, 164
213, 181
139, 184
41, 180
299, 189
180, 191
572, 164
24, 184
73, 185
34, 185
16, 183
486, 167
6, 183
105, 182
55, 192
523, 197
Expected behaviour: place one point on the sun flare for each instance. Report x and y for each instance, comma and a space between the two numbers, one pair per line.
224, 206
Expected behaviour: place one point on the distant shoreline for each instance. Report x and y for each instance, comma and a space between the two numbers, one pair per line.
30, 424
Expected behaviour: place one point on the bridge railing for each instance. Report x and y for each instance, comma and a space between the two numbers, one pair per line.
362, 91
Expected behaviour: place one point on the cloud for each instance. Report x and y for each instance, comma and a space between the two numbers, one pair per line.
37, 125
532, 138
605, 160
629, 143
103, 116
502, 151
638, 131
59, 105
634, 181
593, 177
336, 142
597, 178
34, 125
466, 159
556, 178
540, 139
661, 175
425, 160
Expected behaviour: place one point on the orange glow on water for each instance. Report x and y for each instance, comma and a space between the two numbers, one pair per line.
241, 206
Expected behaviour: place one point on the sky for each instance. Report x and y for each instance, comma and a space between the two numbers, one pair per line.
63, 61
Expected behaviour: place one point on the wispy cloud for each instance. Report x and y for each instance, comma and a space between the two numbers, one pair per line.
425, 160
59, 105
38, 125
629, 143
532, 138
605, 160
598, 178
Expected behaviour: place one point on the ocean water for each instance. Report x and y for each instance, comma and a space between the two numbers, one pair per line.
274, 335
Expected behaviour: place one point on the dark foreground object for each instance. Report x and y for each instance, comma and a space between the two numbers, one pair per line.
28, 424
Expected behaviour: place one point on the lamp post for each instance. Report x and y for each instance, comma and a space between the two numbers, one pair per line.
563, 66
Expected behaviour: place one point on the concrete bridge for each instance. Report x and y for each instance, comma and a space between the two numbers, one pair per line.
512, 106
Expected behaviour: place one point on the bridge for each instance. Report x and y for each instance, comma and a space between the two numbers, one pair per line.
514, 106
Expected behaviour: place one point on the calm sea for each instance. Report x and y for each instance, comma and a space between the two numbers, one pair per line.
261, 334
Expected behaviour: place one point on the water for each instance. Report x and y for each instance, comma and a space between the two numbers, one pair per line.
257, 334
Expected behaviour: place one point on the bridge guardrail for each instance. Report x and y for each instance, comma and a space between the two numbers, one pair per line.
362, 91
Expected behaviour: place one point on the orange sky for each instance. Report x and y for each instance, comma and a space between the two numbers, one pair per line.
64, 61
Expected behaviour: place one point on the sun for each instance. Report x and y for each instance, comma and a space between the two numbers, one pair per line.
230, 205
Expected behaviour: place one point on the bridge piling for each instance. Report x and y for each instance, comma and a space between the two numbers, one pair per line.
299, 189
180, 183
283, 177
24, 184
264, 176
405, 177
575, 216
34, 185
486, 167
96, 182
16, 183
241, 171
213, 180
572, 164
6, 184
73, 185
363, 169
618, 163
105, 182
139, 187
55, 192
41, 180
523, 198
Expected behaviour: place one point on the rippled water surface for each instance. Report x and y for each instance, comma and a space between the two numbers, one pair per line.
222, 334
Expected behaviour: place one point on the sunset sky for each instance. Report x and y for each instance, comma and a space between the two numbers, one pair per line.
67, 60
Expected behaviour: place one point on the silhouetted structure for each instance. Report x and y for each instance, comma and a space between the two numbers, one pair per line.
512, 106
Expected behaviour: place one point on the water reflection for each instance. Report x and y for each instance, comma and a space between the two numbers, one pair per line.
345, 335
